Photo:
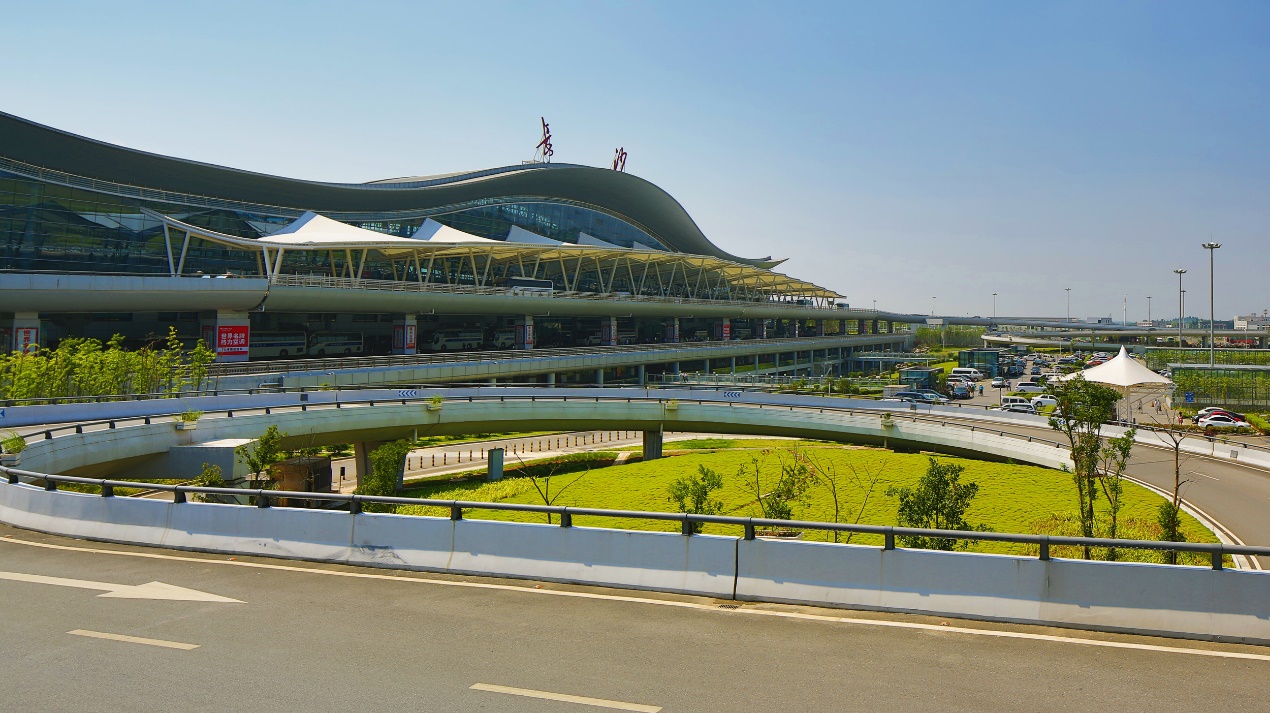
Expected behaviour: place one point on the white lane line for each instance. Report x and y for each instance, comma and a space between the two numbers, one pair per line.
134, 639
666, 603
1195, 472
548, 695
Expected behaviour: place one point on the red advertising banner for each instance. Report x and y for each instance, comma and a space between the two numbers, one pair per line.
412, 333
233, 340
26, 339
727, 330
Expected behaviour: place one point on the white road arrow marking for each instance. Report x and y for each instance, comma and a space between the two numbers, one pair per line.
150, 590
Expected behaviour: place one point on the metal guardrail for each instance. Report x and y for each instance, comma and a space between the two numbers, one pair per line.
283, 366
424, 398
356, 504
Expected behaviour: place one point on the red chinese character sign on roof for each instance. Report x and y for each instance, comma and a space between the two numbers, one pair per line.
619, 160
544, 150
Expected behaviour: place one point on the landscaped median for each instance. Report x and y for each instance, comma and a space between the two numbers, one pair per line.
1012, 497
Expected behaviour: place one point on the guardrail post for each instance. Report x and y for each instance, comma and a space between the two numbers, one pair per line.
262, 500
456, 512
355, 506
229, 414
686, 527
79, 429
147, 420
889, 543
13, 478
1217, 556
566, 518
48, 435
178, 496
50, 485
107, 491
749, 529
1045, 548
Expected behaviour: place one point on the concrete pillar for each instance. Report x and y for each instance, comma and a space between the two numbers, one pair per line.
525, 332
652, 445
875, 327
860, 327
551, 379
890, 327
674, 368
705, 366
672, 330
608, 331
794, 325
733, 365
24, 332
361, 462
229, 334
760, 329
494, 464
599, 377
405, 334
819, 328
640, 370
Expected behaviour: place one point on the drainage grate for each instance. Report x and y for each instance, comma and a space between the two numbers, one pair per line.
729, 606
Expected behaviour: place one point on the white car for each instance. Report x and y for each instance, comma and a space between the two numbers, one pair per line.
1039, 402
1221, 421
1030, 389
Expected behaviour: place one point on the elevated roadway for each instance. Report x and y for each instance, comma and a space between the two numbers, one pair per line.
1235, 494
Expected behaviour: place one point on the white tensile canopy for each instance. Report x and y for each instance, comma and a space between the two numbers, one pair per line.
434, 232
520, 235
312, 229
1125, 373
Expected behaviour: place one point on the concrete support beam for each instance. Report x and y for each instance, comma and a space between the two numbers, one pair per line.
794, 326
642, 375
860, 327
672, 330
525, 332
494, 463
24, 332
551, 378
228, 333
733, 365
890, 327
599, 377
705, 366
652, 445
875, 327
760, 329
608, 331
405, 334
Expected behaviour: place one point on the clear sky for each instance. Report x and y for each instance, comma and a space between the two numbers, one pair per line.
894, 151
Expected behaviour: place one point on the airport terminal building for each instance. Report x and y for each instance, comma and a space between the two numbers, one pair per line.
98, 239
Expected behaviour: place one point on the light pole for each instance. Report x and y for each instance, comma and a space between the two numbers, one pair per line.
1124, 316
994, 306
1180, 310
932, 306
1149, 322
1069, 304
1212, 249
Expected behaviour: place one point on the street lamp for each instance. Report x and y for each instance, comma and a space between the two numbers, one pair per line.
1069, 303
994, 306
1149, 322
932, 306
1212, 249
1180, 313
1124, 316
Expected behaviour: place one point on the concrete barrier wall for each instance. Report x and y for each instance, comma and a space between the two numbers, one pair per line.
1130, 597
1152, 599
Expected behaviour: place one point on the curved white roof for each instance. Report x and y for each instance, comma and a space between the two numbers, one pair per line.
314, 229
434, 232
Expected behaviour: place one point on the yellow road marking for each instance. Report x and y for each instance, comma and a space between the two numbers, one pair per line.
669, 603
548, 695
133, 639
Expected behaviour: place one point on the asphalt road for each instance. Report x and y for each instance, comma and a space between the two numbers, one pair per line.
330, 638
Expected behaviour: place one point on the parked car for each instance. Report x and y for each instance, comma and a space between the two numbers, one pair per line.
999, 383
1209, 411
961, 391
1019, 408
1035, 371
1039, 402
913, 397
1218, 420
1030, 388
933, 395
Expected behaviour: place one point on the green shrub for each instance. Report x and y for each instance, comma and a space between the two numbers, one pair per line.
1259, 422
13, 443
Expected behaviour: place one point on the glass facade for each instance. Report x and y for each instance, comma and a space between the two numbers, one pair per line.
50, 227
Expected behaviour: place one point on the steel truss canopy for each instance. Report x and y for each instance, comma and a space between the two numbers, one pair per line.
440, 255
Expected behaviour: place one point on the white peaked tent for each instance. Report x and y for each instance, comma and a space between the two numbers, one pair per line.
520, 235
434, 232
312, 229
1126, 373
584, 239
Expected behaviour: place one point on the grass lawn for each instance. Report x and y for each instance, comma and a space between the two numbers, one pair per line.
1012, 498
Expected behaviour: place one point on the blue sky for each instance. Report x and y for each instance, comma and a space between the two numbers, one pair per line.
893, 151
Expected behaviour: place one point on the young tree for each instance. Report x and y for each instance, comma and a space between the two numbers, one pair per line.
1115, 456
542, 483
386, 465
789, 490
209, 478
939, 502
267, 451
692, 494
1169, 514
826, 475
1083, 407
